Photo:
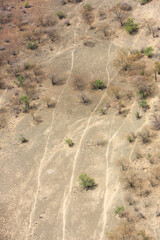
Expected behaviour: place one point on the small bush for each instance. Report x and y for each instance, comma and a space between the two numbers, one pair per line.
23, 139
98, 84
137, 114
131, 137
145, 136
26, 4
86, 182
27, 65
103, 111
155, 121
87, 7
60, 14
20, 80
119, 210
130, 26
149, 52
69, 142
143, 104
25, 100
123, 163
84, 99
78, 83
31, 45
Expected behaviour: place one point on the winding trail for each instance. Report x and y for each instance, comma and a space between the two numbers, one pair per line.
47, 143
66, 201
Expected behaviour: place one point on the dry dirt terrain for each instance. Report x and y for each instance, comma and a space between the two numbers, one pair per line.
115, 135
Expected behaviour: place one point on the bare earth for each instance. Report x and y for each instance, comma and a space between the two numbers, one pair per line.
40, 194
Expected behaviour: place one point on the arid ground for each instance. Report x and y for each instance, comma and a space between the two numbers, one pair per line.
40, 195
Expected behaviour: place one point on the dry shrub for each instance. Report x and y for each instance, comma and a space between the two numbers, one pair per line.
123, 163
84, 99
126, 62
130, 179
56, 81
105, 29
155, 159
52, 34
130, 199
78, 83
144, 86
5, 17
50, 102
119, 13
30, 89
127, 231
36, 118
2, 84
155, 171
145, 136
87, 15
115, 91
46, 21
38, 71
155, 121
19, 21
3, 118
102, 14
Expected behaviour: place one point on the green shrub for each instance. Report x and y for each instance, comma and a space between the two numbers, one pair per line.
31, 45
27, 65
20, 80
26, 4
25, 100
98, 84
23, 139
69, 142
60, 14
86, 182
143, 104
103, 111
137, 114
149, 51
119, 210
87, 7
130, 26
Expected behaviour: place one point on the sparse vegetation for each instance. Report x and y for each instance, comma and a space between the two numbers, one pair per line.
137, 114
23, 139
87, 15
26, 4
86, 182
119, 210
69, 142
60, 14
31, 45
98, 84
130, 26
149, 52
145, 136
131, 137
20, 80
25, 100
143, 104
119, 13
143, 2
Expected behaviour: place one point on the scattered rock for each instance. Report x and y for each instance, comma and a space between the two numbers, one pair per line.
7, 40
2, 48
